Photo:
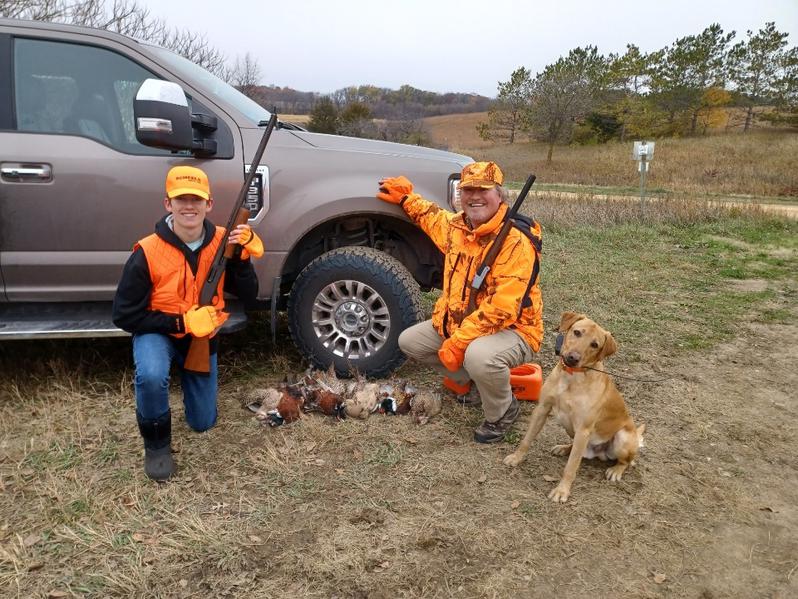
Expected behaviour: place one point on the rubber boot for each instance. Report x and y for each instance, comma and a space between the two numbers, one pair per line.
157, 435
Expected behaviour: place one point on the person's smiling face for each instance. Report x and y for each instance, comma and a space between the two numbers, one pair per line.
188, 210
480, 204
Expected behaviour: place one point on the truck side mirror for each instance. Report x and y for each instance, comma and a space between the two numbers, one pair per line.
162, 117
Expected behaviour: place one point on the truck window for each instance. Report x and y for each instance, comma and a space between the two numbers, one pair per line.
212, 84
78, 90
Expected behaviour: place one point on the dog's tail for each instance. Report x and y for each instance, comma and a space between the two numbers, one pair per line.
640, 430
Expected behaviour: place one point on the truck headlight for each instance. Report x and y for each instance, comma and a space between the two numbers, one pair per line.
454, 193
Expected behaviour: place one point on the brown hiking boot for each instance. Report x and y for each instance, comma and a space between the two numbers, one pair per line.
492, 432
470, 399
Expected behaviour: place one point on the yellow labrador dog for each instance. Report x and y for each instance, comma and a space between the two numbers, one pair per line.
586, 403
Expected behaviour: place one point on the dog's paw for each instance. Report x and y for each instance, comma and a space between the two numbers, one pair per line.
560, 493
561, 449
513, 459
614, 473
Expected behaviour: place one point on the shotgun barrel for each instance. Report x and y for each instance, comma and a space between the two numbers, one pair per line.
216, 271
198, 357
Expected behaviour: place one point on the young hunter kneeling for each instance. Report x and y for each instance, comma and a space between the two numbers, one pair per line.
157, 302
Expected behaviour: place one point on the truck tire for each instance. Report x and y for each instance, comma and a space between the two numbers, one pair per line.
347, 308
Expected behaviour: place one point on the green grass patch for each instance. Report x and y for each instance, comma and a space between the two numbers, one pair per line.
775, 316
109, 452
733, 272
513, 436
56, 457
666, 287
302, 488
386, 454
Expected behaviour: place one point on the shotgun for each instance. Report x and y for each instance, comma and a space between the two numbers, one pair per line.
198, 357
490, 257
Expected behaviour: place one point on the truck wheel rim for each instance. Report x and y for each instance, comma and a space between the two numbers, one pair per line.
351, 319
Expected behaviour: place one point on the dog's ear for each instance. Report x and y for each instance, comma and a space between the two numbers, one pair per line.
568, 319
609, 347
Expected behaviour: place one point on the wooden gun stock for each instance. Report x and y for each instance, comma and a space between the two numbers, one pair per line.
198, 358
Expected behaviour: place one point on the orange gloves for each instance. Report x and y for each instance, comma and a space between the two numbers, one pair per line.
203, 321
251, 244
395, 189
253, 247
451, 355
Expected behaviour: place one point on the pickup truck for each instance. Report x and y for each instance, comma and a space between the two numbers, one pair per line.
78, 188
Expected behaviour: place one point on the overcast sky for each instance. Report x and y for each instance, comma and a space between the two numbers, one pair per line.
447, 45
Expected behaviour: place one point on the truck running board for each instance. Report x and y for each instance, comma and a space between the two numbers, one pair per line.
41, 320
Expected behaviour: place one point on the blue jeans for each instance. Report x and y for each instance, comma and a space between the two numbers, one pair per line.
153, 354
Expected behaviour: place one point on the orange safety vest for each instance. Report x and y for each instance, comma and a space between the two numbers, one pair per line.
175, 289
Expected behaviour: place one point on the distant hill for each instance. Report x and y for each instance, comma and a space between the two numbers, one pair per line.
455, 132
384, 103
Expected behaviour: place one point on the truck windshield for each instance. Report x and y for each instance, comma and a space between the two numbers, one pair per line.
212, 85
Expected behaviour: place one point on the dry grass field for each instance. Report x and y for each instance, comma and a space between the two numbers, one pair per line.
297, 119
457, 131
699, 298
762, 163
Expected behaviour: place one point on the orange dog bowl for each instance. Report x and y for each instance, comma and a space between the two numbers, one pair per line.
525, 380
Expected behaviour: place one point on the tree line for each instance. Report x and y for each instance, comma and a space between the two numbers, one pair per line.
682, 89
383, 103
390, 115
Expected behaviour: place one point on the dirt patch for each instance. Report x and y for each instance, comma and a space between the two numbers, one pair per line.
748, 285
739, 449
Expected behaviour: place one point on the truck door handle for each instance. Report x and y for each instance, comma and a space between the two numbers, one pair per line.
17, 172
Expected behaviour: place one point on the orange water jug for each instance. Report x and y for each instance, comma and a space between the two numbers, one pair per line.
525, 380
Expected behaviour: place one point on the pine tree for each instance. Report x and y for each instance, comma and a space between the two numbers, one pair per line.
690, 66
565, 93
755, 67
509, 113
324, 117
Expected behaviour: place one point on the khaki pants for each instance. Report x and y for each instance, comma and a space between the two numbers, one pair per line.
488, 361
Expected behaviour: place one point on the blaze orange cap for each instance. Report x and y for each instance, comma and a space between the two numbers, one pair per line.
187, 180
481, 174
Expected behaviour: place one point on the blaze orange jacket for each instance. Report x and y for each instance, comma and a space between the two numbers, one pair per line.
500, 301
175, 288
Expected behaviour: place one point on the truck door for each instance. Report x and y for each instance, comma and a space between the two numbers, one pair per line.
76, 189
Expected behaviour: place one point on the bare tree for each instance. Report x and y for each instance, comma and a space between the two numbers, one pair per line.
407, 129
127, 17
41, 10
245, 75
197, 49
